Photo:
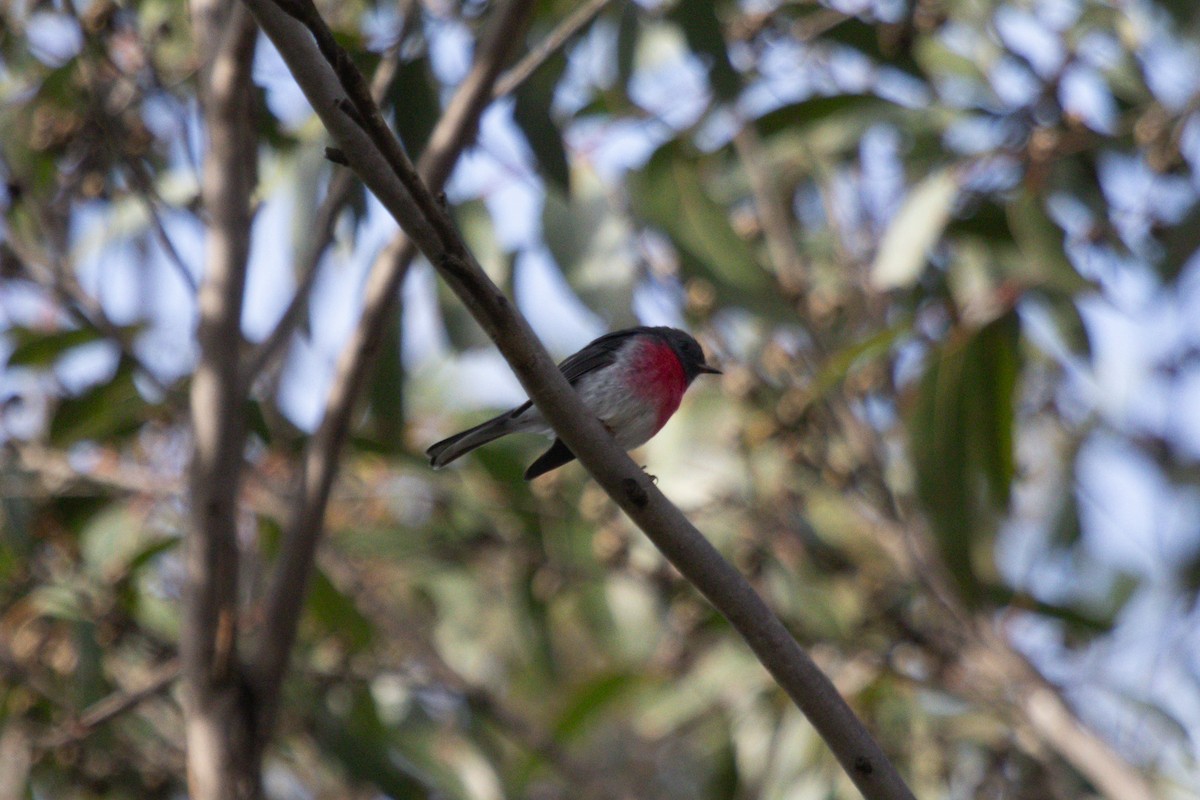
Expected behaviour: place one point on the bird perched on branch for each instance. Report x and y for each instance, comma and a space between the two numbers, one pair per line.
631, 379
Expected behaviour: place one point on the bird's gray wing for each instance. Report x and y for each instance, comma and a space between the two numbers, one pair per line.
600, 353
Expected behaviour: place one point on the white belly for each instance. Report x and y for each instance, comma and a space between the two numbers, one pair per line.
631, 419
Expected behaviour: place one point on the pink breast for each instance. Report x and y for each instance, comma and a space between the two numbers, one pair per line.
661, 379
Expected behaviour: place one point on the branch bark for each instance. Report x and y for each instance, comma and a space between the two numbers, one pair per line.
222, 748
337, 93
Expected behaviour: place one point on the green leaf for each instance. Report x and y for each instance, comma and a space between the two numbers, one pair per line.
815, 110
1042, 245
995, 362
360, 741
476, 225
702, 29
110, 409
869, 40
591, 246
917, 227
1079, 621
386, 390
628, 29
961, 440
112, 540
33, 348
412, 97
1181, 242
531, 111
337, 614
669, 194
590, 699
843, 362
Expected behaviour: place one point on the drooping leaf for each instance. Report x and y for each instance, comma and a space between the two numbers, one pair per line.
815, 110
111, 409
34, 348
961, 439
592, 247
702, 29
358, 739
916, 228
628, 29
386, 391
839, 365
412, 98
589, 700
531, 111
337, 614
668, 193
995, 364
1042, 245
476, 225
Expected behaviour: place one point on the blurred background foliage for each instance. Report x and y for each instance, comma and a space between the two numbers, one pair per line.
943, 250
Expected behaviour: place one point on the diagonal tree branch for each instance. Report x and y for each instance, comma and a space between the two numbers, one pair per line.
221, 745
553, 42
115, 704
454, 130
337, 93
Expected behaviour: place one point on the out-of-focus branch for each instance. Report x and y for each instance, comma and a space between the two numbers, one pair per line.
454, 130
150, 198
994, 672
551, 44
338, 95
114, 705
58, 279
774, 220
222, 745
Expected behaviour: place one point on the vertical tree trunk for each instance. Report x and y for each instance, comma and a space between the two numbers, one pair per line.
223, 752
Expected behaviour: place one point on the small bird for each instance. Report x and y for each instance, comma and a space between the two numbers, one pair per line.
632, 379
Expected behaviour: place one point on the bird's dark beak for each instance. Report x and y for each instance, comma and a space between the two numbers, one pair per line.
705, 368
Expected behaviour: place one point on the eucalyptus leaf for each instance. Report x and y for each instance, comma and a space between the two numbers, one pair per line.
916, 228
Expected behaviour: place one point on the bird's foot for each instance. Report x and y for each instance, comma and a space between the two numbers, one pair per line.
653, 478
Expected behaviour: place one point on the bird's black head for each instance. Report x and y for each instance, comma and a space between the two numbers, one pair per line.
690, 354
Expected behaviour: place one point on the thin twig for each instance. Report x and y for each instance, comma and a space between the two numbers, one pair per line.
57, 278
151, 199
548, 46
113, 705
774, 220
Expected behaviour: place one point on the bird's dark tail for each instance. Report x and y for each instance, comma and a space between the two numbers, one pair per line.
460, 444
555, 457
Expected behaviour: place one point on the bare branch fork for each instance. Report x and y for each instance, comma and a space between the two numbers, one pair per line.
338, 93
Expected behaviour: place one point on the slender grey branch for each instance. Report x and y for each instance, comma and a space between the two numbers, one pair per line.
430, 227
541, 52
455, 128
222, 748
151, 199
320, 237
57, 277
769, 204
114, 705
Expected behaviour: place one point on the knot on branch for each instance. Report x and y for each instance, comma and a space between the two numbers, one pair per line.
635, 492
